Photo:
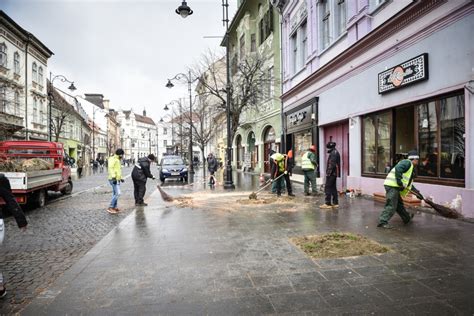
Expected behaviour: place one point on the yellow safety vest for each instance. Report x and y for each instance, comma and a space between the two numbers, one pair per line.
391, 180
280, 161
306, 162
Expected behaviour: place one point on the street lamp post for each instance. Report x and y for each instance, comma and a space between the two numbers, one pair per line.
170, 85
50, 95
184, 11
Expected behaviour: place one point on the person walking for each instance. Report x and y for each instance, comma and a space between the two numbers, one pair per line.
398, 183
212, 166
80, 166
12, 206
289, 164
309, 164
140, 173
333, 169
115, 178
277, 164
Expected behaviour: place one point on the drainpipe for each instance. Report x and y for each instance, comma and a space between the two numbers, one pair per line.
26, 86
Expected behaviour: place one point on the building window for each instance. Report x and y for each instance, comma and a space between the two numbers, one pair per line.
271, 73
332, 21
242, 46
299, 50
42, 113
435, 127
40, 76
3, 99
17, 103
303, 140
16, 63
35, 72
165, 131
253, 42
376, 143
165, 143
3, 55
266, 25
35, 111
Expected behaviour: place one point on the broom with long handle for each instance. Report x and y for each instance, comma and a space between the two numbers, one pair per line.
253, 195
442, 210
165, 196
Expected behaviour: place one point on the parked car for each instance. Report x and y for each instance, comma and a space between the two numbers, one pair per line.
173, 167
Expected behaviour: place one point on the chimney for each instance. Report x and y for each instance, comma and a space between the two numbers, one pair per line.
144, 112
106, 104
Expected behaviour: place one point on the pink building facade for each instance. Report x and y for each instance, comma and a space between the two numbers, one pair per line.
381, 78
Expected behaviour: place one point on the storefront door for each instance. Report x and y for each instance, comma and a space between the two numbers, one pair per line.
340, 135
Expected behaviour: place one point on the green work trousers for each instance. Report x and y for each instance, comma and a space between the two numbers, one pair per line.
309, 177
393, 203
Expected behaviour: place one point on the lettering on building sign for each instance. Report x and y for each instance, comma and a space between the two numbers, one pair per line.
408, 72
297, 118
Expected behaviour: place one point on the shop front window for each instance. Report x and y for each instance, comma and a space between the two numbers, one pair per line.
428, 139
434, 127
303, 141
452, 128
377, 141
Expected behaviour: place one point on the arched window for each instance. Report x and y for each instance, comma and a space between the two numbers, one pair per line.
16, 63
3, 55
35, 72
40, 76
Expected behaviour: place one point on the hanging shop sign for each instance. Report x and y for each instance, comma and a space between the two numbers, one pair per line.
409, 72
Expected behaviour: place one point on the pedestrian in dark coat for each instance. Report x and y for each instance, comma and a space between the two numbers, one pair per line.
12, 206
212, 166
140, 173
333, 169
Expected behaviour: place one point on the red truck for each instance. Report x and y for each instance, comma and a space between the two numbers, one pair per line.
32, 186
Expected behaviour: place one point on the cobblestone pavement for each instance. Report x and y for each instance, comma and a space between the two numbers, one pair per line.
57, 236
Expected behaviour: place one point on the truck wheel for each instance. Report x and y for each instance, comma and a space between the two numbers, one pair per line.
41, 198
68, 188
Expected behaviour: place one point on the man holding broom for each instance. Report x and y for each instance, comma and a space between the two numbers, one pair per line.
398, 183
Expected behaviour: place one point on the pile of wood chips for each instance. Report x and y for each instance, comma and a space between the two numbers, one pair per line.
33, 164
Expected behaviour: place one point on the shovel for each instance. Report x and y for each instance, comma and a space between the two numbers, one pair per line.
253, 195
442, 210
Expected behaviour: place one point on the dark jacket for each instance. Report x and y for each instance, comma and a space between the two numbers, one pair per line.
334, 164
141, 171
212, 164
15, 210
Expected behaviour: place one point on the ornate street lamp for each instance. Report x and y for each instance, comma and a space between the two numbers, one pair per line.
71, 87
184, 10
189, 81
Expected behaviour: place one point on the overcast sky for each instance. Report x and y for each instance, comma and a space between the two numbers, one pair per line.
124, 49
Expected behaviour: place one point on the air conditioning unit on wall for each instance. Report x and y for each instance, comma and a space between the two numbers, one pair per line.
278, 3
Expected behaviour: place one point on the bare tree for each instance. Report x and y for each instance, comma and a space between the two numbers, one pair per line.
61, 114
248, 88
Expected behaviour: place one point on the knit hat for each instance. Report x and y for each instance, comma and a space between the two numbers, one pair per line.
413, 154
312, 148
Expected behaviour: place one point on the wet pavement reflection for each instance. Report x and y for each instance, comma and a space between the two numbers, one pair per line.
218, 256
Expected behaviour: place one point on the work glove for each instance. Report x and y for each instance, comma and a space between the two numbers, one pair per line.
153, 178
271, 180
286, 172
114, 181
122, 180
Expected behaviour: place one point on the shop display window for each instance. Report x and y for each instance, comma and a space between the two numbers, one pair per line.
436, 127
302, 144
377, 142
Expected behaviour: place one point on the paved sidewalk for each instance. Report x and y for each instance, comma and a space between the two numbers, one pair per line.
219, 258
